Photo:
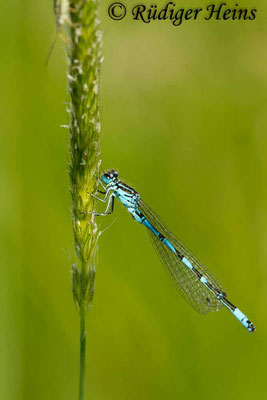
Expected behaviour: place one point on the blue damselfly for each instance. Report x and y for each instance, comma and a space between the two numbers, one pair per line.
191, 279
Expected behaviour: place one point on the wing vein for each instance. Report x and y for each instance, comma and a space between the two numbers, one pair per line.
187, 283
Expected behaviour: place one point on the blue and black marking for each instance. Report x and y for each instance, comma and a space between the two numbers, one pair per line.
196, 285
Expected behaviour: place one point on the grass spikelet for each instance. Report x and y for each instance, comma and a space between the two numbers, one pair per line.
84, 58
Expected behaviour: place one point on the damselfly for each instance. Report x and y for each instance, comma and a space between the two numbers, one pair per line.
191, 279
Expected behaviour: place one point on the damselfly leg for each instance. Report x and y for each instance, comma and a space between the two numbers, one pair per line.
109, 209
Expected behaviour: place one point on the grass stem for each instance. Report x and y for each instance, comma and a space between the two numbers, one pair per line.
84, 43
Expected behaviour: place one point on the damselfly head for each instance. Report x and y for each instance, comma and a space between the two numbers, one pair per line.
109, 176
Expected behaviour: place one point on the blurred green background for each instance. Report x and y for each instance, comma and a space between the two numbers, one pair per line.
184, 118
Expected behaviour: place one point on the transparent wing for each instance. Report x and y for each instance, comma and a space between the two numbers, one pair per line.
187, 283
